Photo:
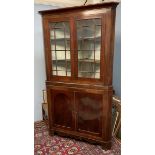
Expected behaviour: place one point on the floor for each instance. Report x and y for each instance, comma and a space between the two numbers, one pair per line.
56, 145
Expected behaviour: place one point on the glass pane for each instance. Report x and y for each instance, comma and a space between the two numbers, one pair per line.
85, 44
68, 73
86, 66
97, 55
89, 47
60, 55
68, 66
60, 48
60, 44
87, 55
58, 30
54, 73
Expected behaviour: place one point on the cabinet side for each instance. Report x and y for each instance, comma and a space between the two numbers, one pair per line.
109, 45
46, 46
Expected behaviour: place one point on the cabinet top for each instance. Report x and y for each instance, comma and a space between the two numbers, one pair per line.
83, 7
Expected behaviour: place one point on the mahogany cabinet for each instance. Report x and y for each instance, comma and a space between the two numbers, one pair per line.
79, 46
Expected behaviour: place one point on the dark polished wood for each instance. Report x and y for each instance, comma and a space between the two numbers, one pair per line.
77, 8
80, 107
89, 112
62, 107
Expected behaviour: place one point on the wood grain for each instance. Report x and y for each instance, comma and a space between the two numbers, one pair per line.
81, 107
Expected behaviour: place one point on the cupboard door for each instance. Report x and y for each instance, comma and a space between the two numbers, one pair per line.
89, 112
62, 108
60, 48
89, 47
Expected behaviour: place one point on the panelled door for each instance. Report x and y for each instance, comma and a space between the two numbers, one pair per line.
89, 112
62, 108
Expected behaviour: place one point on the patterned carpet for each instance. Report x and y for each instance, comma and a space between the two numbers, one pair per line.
47, 145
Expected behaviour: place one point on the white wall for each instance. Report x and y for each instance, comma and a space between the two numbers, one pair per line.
39, 63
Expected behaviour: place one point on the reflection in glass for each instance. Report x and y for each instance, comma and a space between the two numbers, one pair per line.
89, 47
60, 48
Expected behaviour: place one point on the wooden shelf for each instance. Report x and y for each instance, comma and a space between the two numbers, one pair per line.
89, 60
81, 60
98, 38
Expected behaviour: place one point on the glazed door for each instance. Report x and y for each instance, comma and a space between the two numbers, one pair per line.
75, 48
58, 49
89, 112
62, 102
88, 54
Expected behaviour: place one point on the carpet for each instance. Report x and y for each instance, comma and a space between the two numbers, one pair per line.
44, 144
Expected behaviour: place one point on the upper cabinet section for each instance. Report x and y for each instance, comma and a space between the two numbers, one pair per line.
79, 43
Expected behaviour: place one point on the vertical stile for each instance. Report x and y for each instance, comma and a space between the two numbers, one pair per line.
65, 47
55, 50
94, 48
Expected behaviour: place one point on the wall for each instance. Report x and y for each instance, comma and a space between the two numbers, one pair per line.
39, 63
117, 54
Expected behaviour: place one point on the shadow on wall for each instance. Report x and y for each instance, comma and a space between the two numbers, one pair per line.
39, 62
117, 54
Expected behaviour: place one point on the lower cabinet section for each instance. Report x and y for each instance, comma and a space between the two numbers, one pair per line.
83, 114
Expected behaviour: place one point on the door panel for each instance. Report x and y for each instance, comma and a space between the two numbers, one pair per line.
89, 112
62, 108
